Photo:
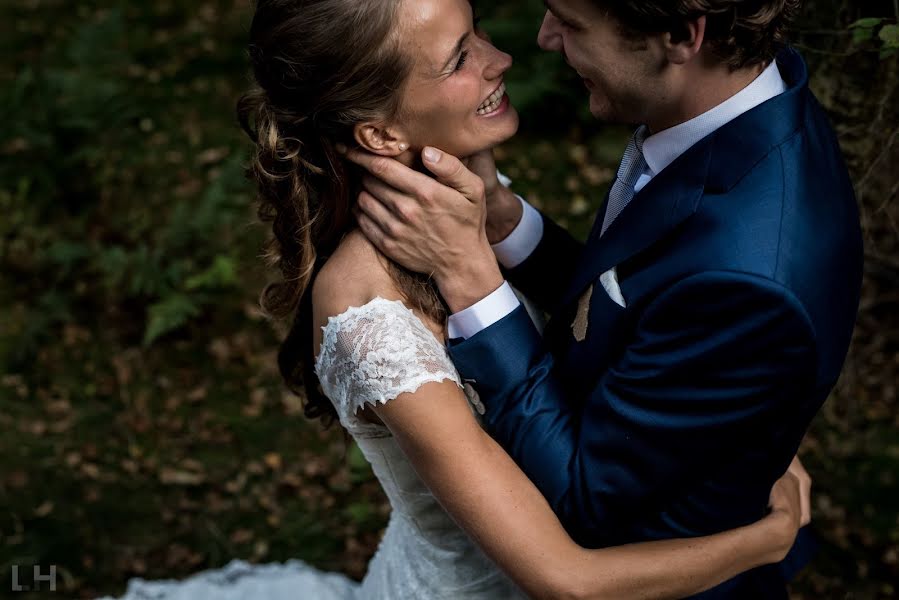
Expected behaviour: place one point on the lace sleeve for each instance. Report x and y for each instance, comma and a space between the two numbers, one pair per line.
373, 353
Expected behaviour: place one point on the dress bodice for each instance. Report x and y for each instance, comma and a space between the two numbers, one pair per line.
370, 355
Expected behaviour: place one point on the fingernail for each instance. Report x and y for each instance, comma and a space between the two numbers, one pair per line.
341, 149
432, 155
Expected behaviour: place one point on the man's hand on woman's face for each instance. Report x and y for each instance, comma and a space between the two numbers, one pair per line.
430, 226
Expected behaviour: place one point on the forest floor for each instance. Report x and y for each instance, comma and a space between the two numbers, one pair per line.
121, 459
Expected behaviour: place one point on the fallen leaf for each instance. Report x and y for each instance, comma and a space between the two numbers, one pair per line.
169, 476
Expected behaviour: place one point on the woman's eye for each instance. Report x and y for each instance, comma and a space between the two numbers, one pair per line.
462, 60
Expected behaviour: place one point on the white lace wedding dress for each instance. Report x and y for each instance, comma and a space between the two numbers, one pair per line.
370, 355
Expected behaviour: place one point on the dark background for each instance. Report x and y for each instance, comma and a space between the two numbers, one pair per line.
143, 427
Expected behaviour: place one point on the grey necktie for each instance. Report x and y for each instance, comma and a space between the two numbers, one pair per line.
632, 166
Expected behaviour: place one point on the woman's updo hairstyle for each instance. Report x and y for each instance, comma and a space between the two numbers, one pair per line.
320, 68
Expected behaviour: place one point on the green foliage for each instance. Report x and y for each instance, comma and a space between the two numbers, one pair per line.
889, 35
868, 30
168, 314
78, 160
867, 23
222, 274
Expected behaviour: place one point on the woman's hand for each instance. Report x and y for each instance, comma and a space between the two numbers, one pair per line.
805, 489
790, 503
483, 165
504, 210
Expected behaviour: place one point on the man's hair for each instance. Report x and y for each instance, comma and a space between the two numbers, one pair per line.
741, 33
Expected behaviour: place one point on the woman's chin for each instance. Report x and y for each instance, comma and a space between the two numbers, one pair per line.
484, 136
498, 134
510, 123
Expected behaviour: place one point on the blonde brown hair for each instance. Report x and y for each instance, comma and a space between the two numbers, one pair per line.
320, 67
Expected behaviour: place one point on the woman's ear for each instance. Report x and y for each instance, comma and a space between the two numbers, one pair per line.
682, 48
379, 139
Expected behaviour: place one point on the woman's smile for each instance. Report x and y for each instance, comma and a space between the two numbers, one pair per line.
494, 101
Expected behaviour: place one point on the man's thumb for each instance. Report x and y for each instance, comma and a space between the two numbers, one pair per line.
450, 171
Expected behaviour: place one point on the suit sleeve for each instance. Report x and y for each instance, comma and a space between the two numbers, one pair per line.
544, 275
710, 358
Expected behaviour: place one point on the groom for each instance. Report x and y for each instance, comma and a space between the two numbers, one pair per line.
697, 332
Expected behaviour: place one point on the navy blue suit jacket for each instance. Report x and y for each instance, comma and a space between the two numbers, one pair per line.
741, 267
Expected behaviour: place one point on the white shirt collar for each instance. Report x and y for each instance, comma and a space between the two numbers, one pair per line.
663, 148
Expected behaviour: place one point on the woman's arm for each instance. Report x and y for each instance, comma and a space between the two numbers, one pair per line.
497, 505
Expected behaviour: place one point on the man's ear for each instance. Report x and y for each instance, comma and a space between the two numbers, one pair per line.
683, 47
379, 139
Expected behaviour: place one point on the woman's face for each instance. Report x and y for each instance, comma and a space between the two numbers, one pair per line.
454, 98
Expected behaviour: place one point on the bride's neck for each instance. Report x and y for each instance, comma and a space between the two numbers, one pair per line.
412, 159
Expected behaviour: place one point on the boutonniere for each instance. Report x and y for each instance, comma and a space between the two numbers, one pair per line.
582, 317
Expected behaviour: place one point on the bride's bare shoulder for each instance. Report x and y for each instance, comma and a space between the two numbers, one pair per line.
354, 275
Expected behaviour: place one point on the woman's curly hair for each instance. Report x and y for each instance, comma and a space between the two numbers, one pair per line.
320, 67
741, 33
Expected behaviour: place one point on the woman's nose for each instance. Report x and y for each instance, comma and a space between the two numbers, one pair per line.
500, 62
550, 35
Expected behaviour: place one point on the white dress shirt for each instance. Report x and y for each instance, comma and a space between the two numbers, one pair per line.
659, 150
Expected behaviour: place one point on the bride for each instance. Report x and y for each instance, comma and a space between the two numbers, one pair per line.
393, 76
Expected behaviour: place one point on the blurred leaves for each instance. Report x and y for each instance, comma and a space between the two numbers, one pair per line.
146, 430
81, 216
168, 314
865, 31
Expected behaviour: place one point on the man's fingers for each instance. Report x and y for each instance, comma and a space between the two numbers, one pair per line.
395, 201
390, 170
450, 171
371, 230
379, 214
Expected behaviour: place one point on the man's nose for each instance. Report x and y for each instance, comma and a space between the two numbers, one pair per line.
550, 36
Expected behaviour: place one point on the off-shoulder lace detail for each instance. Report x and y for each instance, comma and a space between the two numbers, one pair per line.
373, 353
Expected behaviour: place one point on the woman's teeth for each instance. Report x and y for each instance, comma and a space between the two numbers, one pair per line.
493, 102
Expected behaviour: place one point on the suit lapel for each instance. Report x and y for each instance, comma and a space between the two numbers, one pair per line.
714, 164
600, 217
669, 199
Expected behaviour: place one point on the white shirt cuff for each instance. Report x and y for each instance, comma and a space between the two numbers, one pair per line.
523, 240
477, 318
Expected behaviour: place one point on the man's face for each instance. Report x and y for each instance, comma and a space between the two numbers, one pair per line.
624, 76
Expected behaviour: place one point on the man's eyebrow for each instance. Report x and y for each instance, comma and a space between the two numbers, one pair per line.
456, 51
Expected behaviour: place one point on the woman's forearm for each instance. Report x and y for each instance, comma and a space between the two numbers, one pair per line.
682, 567
500, 508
